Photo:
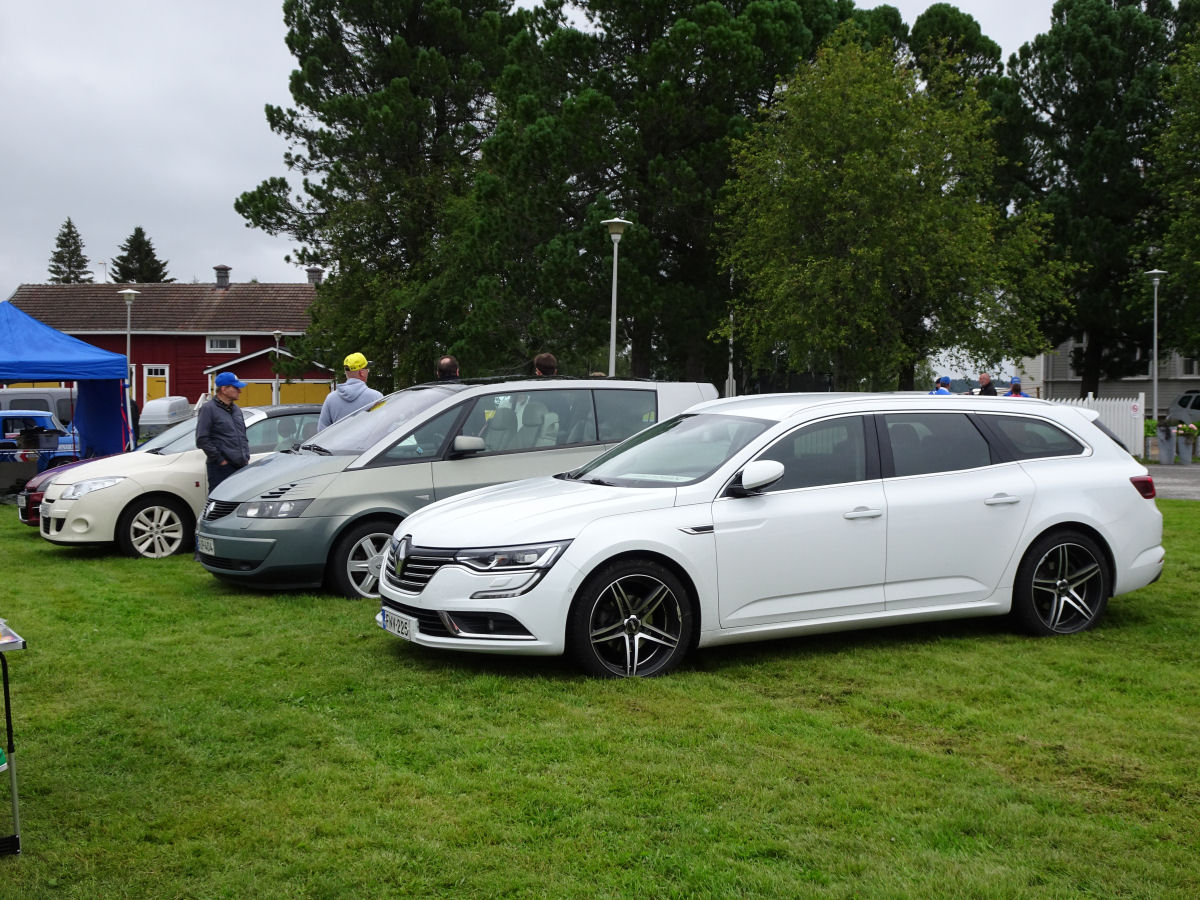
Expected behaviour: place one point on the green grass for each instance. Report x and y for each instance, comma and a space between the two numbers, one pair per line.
180, 738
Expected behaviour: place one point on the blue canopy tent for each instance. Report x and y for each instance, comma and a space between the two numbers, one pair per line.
33, 351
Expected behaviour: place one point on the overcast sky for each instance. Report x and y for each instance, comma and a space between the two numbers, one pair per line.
150, 113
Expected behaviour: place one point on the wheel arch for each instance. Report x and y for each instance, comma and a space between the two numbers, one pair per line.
158, 495
1097, 536
666, 562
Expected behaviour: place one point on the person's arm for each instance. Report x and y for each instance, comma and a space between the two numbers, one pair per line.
204, 437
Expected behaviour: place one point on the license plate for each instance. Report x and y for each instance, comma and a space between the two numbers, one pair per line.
401, 626
22, 501
205, 546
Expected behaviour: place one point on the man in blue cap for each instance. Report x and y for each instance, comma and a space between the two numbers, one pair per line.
1014, 389
942, 385
221, 431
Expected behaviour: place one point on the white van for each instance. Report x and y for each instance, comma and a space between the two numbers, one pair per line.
59, 402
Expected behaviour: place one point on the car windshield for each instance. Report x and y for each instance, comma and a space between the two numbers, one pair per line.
355, 433
175, 439
681, 450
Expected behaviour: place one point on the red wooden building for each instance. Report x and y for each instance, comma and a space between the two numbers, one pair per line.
181, 335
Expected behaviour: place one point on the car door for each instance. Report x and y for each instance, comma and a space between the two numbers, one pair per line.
956, 509
811, 545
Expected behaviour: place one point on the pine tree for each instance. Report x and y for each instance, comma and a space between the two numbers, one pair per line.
138, 263
68, 264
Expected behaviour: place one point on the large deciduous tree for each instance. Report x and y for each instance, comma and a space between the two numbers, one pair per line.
68, 264
856, 224
1178, 185
138, 263
1091, 86
392, 101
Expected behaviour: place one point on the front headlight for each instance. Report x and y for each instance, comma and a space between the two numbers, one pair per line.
272, 509
79, 488
504, 559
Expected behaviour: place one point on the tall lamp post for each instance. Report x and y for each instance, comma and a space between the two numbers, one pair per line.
1155, 276
616, 227
129, 294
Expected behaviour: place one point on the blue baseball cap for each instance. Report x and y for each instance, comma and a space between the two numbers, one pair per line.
1016, 380
945, 379
228, 379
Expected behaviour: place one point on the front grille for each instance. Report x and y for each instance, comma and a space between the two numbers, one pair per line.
224, 562
218, 509
410, 568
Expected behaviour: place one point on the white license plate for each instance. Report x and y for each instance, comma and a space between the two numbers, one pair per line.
205, 546
401, 626
22, 500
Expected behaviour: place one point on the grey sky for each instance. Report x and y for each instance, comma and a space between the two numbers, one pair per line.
135, 112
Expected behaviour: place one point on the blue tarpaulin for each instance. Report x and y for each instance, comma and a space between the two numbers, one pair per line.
33, 351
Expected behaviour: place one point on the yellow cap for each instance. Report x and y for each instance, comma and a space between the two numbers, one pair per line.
356, 361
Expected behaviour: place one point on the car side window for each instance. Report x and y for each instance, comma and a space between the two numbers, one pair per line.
1035, 438
829, 452
923, 443
423, 442
620, 414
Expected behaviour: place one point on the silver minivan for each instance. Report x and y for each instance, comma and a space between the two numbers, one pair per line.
323, 511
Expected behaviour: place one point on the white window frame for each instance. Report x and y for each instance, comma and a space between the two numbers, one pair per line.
210, 344
154, 370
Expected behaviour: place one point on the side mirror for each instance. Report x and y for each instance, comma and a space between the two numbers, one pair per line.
468, 443
756, 475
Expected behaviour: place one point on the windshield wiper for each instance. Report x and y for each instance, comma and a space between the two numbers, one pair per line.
316, 448
599, 481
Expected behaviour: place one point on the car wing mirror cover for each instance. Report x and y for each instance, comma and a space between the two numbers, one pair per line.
468, 443
760, 474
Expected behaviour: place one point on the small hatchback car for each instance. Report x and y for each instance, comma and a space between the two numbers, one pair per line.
147, 500
325, 512
770, 516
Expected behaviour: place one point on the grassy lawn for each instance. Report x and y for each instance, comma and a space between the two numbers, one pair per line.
180, 738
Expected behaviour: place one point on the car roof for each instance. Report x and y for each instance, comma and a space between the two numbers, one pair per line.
779, 407
282, 409
27, 412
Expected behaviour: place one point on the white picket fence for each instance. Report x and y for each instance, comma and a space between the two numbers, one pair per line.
1123, 416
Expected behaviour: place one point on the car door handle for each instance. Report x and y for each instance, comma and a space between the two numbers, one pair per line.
862, 512
1002, 500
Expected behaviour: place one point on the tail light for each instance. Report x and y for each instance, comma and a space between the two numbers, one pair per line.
1144, 485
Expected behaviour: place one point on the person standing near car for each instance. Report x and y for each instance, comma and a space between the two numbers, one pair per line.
351, 395
986, 388
545, 364
447, 369
221, 431
1014, 389
942, 385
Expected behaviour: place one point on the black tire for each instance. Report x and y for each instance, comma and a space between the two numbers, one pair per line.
354, 565
631, 618
1063, 585
155, 527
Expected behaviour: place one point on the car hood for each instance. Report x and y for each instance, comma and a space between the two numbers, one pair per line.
128, 465
537, 509
275, 470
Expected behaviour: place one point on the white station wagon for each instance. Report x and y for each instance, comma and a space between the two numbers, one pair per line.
770, 516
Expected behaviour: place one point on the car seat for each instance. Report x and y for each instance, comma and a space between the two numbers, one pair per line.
501, 432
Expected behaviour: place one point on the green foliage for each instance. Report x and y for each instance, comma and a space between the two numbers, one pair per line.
391, 103
180, 738
1091, 89
856, 222
68, 264
138, 263
1178, 186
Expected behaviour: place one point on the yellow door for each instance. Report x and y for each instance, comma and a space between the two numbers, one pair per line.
156, 386
255, 393
304, 392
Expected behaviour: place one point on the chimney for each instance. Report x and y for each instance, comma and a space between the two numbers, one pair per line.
315, 274
222, 277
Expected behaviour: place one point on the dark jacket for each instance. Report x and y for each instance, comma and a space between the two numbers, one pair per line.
221, 433
988, 390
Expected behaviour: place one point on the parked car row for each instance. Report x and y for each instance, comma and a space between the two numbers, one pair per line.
627, 523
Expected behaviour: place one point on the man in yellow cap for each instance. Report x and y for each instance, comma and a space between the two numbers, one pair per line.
351, 395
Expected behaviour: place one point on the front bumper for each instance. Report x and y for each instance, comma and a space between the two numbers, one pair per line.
279, 553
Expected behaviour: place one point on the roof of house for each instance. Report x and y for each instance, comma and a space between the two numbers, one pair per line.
240, 308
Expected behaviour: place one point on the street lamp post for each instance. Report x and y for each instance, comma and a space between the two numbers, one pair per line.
129, 294
1155, 276
616, 227
278, 335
